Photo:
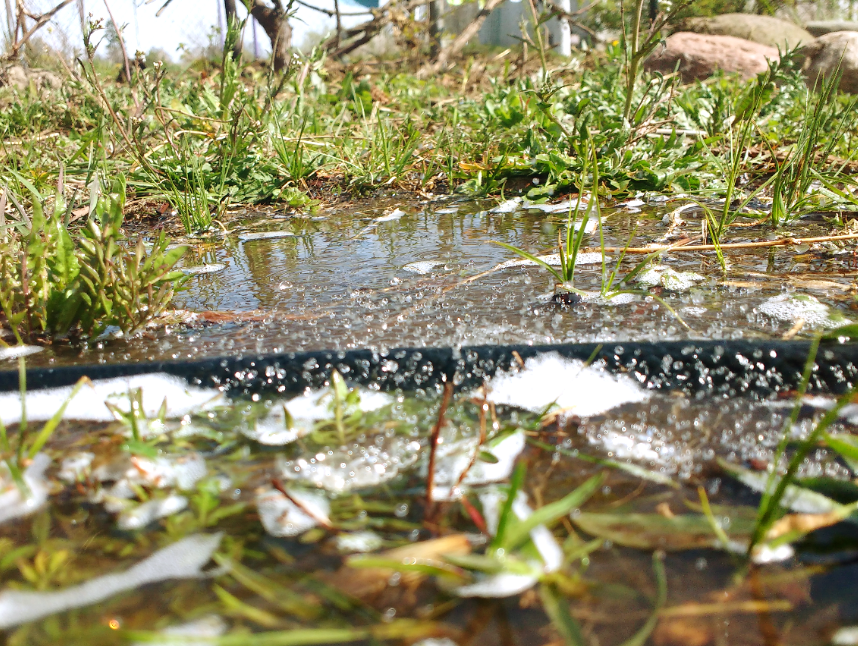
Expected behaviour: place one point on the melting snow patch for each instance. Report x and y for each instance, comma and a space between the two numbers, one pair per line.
13, 502
183, 559
204, 269
669, 278
266, 235
282, 517
791, 307
17, 351
88, 404
570, 384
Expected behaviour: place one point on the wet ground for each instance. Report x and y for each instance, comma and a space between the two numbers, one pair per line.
399, 274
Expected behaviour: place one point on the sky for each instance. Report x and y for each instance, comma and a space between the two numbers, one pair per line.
183, 22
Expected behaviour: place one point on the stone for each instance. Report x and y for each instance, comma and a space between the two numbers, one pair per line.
20, 78
765, 30
699, 56
823, 56
822, 27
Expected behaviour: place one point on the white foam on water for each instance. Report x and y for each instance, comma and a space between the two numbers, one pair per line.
791, 307
282, 517
209, 626
570, 384
16, 504
88, 404
183, 559
17, 351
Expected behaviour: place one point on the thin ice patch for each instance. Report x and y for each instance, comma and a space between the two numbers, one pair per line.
16, 504
194, 632
266, 235
138, 516
669, 278
354, 466
570, 384
421, 267
452, 460
282, 517
183, 559
611, 298
305, 410
358, 542
792, 307
204, 269
17, 351
509, 206
88, 404
587, 258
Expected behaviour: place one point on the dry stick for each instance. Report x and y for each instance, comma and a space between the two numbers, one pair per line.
41, 21
783, 242
483, 408
459, 43
324, 522
433, 448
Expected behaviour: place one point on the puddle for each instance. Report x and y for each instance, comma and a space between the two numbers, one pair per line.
400, 274
232, 533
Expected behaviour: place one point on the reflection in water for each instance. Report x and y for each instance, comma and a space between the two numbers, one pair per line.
346, 280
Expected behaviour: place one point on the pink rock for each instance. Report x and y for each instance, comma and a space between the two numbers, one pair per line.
700, 55
827, 53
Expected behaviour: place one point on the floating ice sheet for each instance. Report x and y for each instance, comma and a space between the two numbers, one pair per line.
452, 459
792, 307
183, 559
138, 516
570, 384
509, 206
394, 215
88, 404
358, 542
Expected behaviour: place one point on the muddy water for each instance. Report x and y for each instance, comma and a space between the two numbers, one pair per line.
342, 280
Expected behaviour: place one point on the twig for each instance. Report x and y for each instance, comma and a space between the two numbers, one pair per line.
795, 329
41, 21
324, 522
782, 242
433, 447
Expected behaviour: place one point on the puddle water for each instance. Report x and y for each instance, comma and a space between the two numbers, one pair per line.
358, 278
559, 504
215, 517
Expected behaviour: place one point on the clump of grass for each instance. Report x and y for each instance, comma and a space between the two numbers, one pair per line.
57, 281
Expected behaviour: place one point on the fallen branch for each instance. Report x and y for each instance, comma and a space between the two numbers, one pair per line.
41, 21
